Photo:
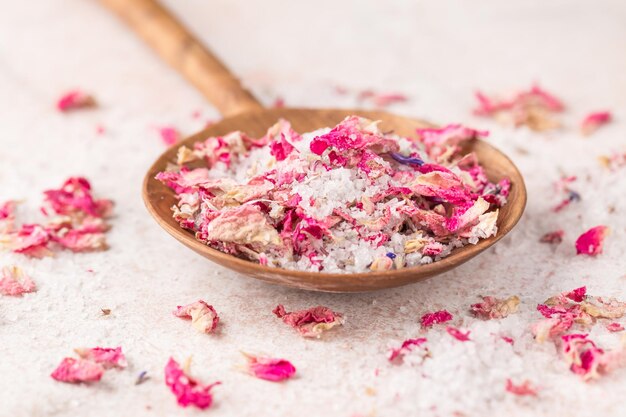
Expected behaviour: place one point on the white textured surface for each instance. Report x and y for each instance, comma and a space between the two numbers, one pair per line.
438, 54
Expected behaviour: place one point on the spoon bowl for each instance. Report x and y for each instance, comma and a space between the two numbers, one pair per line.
159, 199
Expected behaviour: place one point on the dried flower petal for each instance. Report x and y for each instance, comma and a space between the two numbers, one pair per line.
525, 388
429, 319
203, 317
14, 282
74, 100
458, 334
311, 322
270, 369
406, 347
590, 242
169, 135
187, 390
553, 238
593, 121
614, 327
577, 294
494, 308
77, 370
107, 357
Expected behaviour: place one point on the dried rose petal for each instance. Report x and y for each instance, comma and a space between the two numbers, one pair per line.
311, 322
586, 359
7, 216
551, 328
169, 135
187, 390
614, 327
494, 308
525, 388
270, 369
77, 370
203, 317
593, 121
598, 307
429, 319
74, 100
590, 242
107, 357
406, 347
553, 238
577, 294
75, 198
508, 339
14, 282
458, 334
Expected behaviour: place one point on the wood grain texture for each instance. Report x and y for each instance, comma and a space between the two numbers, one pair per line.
178, 47
159, 199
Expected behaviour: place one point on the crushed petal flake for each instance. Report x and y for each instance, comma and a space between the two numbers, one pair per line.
398, 353
553, 238
74, 100
187, 390
615, 327
338, 199
593, 121
169, 135
270, 369
437, 317
15, 282
525, 388
494, 308
311, 322
458, 334
203, 316
590, 243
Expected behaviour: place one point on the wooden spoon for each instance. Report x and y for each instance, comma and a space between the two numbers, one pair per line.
243, 112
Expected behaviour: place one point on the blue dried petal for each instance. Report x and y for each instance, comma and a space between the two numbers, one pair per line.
407, 159
391, 255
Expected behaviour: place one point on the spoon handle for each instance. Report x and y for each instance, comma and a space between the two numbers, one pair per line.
176, 45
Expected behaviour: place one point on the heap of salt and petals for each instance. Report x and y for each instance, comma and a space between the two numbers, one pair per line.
187, 390
75, 221
90, 366
576, 307
203, 316
346, 199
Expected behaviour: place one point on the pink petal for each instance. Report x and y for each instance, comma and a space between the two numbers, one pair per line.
593, 121
203, 316
457, 334
614, 327
311, 322
590, 242
107, 357
14, 282
429, 319
74, 100
187, 390
270, 369
406, 347
525, 388
77, 370
169, 135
